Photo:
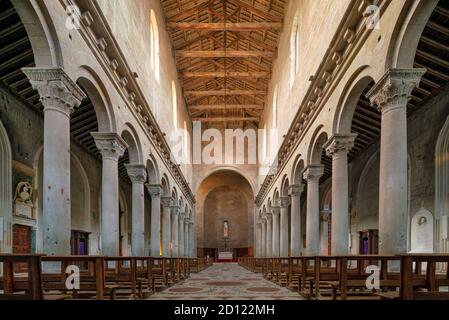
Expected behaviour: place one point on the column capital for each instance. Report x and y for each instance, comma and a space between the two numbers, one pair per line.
155, 190
191, 222
56, 90
340, 144
295, 190
313, 173
111, 145
175, 210
136, 172
181, 214
394, 89
325, 215
276, 210
166, 201
269, 217
285, 201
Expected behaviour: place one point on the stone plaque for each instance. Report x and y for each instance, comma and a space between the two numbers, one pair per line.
422, 232
23, 204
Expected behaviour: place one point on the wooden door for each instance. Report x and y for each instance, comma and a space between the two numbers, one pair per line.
21, 244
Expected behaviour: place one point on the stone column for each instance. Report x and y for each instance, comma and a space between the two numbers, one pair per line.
112, 147
285, 202
174, 231
324, 233
296, 228
258, 239
181, 247
391, 95
276, 211
269, 235
187, 227
337, 148
155, 242
191, 234
138, 175
166, 213
59, 96
312, 175
264, 237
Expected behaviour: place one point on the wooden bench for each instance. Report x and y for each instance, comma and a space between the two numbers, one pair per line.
294, 273
420, 279
122, 271
158, 272
27, 286
92, 277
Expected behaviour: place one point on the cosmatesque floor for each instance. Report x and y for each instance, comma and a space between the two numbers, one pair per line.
226, 282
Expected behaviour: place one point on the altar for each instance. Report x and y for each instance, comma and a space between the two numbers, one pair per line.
225, 256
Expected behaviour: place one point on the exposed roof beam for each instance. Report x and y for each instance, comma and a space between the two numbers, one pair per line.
228, 26
438, 27
223, 119
224, 93
229, 74
260, 12
229, 106
186, 12
223, 54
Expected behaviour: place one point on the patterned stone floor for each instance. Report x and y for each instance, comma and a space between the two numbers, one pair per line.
226, 282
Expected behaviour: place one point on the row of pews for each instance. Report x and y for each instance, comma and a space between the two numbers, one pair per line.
41, 277
359, 277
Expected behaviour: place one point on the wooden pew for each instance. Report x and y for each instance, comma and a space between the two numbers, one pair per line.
158, 272
281, 267
122, 271
294, 273
420, 279
26, 286
92, 277
305, 283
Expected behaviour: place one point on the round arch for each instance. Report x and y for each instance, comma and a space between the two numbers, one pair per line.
319, 138
407, 33
131, 138
165, 185
152, 171
43, 36
284, 186
297, 170
97, 93
348, 102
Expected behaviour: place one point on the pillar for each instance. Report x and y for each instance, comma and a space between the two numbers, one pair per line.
166, 213
276, 211
192, 240
296, 228
258, 240
285, 202
312, 175
391, 95
138, 175
187, 227
174, 231
264, 238
155, 240
337, 148
324, 233
181, 247
269, 234
59, 96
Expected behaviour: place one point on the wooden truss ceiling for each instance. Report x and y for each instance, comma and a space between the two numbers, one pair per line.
224, 52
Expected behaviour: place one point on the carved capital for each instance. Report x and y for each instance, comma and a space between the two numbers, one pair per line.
325, 215
166, 202
285, 202
394, 89
111, 145
155, 190
181, 216
340, 144
56, 90
275, 210
295, 190
175, 210
313, 173
136, 172
269, 217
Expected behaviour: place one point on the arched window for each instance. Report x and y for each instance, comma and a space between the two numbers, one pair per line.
174, 104
275, 108
154, 46
294, 50
186, 142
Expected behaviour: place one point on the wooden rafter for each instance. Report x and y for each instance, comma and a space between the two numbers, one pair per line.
225, 26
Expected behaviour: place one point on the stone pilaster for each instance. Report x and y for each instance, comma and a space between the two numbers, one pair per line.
284, 204
59, 96
276, 212
391, 95
269, 218
174, 231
